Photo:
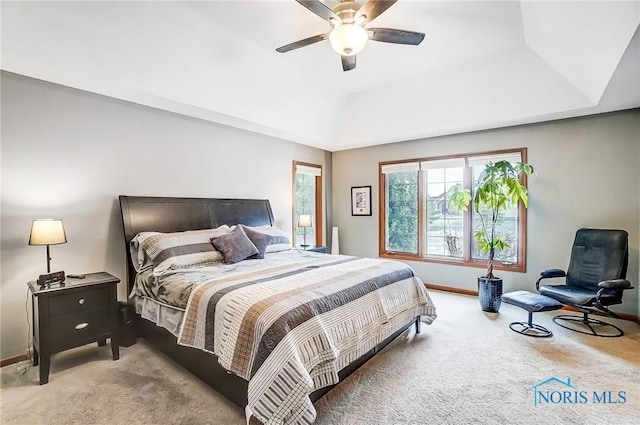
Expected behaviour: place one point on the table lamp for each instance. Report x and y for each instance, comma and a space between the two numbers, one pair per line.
304, 221
47, 232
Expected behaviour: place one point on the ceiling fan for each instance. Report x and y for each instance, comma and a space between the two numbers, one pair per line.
348, 35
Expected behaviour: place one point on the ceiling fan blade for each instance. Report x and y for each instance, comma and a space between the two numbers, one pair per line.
389, 35
372, 9
320, 9
301, 43
348, 62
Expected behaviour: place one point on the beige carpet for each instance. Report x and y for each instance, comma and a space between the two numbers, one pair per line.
466, 368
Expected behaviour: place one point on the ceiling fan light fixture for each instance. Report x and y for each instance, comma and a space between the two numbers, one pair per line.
348, 39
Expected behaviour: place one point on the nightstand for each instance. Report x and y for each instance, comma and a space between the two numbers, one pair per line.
322, 249
72, 314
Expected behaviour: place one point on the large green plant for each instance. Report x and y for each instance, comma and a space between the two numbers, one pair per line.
497, 188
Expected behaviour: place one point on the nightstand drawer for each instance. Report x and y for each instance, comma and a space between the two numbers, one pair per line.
70, 330
78, 301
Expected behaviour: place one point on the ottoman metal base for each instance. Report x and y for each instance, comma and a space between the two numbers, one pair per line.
530, 329
532, 303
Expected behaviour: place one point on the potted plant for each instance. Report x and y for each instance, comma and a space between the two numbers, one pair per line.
497, 188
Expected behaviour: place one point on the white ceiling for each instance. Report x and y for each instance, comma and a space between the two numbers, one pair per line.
482, 64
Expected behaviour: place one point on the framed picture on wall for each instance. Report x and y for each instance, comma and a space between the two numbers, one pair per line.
361, 200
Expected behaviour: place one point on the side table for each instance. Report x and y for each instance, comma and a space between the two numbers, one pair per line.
73, 313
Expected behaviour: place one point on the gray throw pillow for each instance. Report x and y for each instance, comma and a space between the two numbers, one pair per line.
279, 240
260, 240
235, 246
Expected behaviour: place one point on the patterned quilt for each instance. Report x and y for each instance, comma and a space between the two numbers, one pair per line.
288, 329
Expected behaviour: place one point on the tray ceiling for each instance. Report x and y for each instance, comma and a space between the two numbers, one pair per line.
482, 64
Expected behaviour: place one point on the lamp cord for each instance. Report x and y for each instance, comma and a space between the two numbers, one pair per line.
29, 339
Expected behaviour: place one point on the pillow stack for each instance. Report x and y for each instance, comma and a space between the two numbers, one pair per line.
164, 251
244, 242
170, 251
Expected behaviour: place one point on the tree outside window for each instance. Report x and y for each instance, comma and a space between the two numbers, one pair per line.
402, 211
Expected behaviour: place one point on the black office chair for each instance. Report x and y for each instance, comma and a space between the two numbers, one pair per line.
596, 279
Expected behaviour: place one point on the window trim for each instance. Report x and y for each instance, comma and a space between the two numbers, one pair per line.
465, 260
319, 219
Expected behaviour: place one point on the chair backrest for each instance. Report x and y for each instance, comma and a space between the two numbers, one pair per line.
597, 255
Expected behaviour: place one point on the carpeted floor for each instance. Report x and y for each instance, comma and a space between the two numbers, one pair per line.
466, 368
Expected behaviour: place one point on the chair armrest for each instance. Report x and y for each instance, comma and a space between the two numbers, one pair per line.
549, 273
615, 284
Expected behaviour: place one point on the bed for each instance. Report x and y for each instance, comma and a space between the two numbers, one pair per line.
216, 329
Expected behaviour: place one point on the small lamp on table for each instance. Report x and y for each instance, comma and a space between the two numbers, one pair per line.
47, 232
304, 221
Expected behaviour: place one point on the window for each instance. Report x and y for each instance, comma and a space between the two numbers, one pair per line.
444, 225
307, 200
402, 207
419, 222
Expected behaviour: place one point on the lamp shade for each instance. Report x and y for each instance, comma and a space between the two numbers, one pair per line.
348, 39
304, 220
47, 232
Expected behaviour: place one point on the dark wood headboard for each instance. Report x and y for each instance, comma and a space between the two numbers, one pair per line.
155, 214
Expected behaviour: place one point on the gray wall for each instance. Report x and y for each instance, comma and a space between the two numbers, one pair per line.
69, 154
588, 172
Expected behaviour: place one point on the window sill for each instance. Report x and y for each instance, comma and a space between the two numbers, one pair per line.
518, 268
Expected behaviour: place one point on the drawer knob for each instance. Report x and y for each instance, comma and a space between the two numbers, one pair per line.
81, 325
81, 301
